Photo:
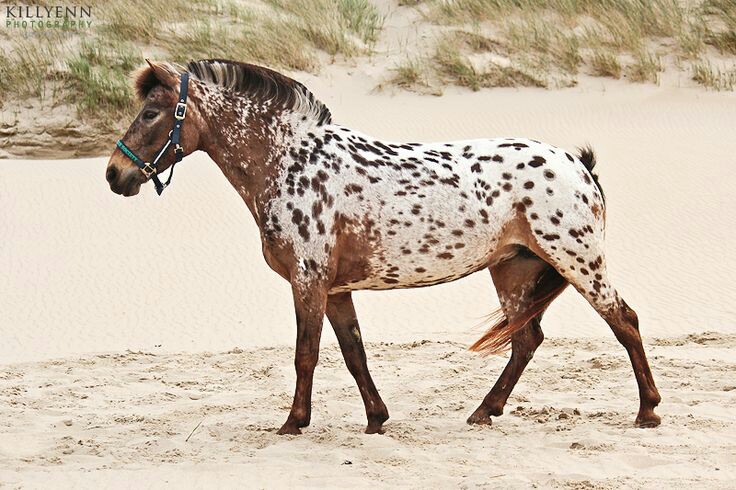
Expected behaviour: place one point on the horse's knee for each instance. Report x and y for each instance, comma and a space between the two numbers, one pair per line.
306, 361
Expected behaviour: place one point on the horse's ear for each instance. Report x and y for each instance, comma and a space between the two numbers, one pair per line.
165, 73
147, 77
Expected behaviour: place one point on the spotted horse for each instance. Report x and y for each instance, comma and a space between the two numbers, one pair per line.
340, 211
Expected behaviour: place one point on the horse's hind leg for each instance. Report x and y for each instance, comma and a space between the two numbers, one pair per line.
526, 285
583, 265
523, 344
625, 325
341, 313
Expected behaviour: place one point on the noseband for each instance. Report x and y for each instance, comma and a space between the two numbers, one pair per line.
149, 169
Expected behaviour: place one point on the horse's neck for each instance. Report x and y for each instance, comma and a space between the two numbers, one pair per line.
252, 146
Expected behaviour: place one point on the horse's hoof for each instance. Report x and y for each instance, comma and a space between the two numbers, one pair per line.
648, 421
375, 429
480, 417
375, 422
289, 429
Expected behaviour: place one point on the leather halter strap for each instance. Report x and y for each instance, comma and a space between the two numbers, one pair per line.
150, 170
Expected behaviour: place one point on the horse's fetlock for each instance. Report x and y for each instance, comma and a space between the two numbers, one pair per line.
654, 398
378, 418
299, 417
495, 409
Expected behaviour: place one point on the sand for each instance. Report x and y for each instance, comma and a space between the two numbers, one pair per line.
120, 316
114, 419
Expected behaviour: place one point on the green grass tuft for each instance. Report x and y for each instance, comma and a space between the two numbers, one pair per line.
101, 76
361, 17
409, 74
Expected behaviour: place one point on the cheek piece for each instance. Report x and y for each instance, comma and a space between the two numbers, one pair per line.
150, 169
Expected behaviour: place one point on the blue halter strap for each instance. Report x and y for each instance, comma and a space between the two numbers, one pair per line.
149, 169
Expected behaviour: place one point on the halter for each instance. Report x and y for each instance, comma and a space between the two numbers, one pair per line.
149, 169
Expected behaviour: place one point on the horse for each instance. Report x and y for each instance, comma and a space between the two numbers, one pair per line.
339, 211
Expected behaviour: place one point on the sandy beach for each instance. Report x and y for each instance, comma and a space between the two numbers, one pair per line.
128, 322
115, 420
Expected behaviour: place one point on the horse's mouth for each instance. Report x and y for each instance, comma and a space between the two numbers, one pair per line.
124, 181
130, 188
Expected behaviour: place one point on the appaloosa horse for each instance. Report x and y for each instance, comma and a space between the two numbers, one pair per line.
339, 211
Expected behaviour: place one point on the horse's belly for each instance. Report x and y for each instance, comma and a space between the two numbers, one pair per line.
422, 261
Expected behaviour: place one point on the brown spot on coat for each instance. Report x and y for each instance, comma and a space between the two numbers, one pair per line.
537, 161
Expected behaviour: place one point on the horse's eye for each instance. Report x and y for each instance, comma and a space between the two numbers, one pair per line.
148, 115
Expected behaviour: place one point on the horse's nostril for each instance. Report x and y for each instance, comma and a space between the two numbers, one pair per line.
111, 174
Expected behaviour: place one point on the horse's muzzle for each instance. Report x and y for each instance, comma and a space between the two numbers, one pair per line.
126, 180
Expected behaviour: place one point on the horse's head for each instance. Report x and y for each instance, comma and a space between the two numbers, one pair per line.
148, 148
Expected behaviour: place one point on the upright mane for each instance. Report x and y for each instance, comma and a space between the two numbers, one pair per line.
257, 81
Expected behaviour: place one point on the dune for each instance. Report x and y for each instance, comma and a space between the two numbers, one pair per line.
126, 322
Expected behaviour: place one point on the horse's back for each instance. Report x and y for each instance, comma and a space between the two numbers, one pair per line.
440, 211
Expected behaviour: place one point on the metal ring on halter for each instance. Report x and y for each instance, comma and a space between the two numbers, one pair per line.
147, 170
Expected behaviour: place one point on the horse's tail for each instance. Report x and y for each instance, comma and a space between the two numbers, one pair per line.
587, 157
496, 340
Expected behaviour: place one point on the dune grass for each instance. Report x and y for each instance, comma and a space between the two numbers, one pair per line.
273, 42
362, 18
723, 35
284, 33
645, 68
713, 77
336, 27
482, 43
409, 74
453, 66
99, 73
610, 38
93, 72
26, 68
604, 63
543, 44
623, 18
146, 20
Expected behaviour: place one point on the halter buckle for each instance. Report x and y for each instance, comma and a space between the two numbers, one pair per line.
181, 110
147, 170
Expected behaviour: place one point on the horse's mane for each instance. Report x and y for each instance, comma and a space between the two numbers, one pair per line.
252, 80
257, 81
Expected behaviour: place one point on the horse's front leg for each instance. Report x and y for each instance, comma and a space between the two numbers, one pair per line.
341, 313
310, 299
